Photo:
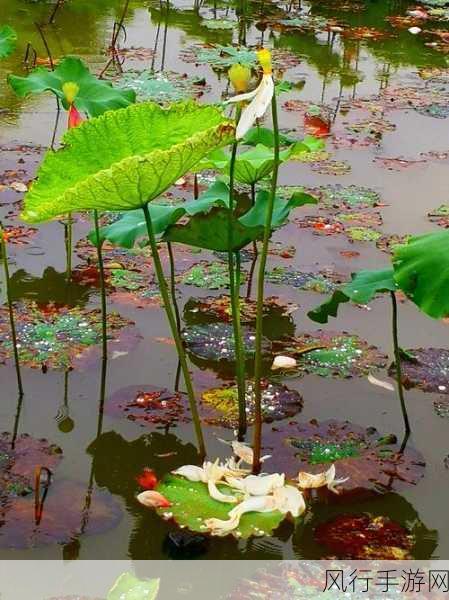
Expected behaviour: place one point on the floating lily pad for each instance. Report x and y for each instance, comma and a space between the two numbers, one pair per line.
162, 87
350, 197
215, 341
332, 354
134, 259
211, 276
437, 111
192, 504
223, 57
440, 216
373, 463
219, 307
362, 537
331, 167
441, 408
18, 461
322, 282
388, 243
19, 235
362, 234
63, 517
148, 405
63, 338
278, 402
360, 219
426, 369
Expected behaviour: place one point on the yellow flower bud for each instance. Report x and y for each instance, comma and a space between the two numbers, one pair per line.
239, 76
264, 58
70, 90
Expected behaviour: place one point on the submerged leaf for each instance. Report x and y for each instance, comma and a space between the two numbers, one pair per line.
426, 369
125, 158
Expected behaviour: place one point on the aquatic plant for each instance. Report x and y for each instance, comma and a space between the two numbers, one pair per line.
129, 587
134, 161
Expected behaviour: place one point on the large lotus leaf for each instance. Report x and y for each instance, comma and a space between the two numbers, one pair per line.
191, 505
421, 270
125, 158
132, 226
8, 40
95, 96
361, 290
129, 587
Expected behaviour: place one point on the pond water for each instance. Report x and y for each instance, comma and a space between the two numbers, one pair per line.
386, 94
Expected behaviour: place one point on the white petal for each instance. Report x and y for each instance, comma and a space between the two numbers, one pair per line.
383, 384
243, 97
247, 120
289, 500
215, 493
264, 95
190, 472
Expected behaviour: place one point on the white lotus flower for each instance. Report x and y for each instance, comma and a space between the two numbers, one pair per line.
308, 481
257, 485
260, 98
289, 500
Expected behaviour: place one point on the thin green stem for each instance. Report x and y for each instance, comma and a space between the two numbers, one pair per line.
174, 329
104, 313
234, 289
257, 443
171, 258
397, 360
11, 311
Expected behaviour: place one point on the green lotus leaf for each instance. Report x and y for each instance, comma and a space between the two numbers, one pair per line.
128, 587
421, 270
94, 96
265, 136
132, 226
192, 504
8, 41
361, 290
210, 231
125, 158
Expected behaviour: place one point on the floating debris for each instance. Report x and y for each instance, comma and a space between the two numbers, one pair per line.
426, 369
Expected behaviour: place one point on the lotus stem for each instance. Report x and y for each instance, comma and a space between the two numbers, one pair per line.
176, 335
397, 360
12, 322
257, 442
255, 250
104, 313
234, 289
171, 258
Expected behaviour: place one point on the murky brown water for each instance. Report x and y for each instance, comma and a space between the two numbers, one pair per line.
408, 194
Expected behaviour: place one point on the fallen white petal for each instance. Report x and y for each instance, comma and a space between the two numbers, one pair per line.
283, 362
383, 384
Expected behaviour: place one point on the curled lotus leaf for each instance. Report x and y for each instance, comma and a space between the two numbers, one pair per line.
421, 270
124, 159
332, 354
362, 537
215, 342
219, 307
220, 405
18, 461
148, 406
63, 517
373, 463
426, 369
64, 338
191, 505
